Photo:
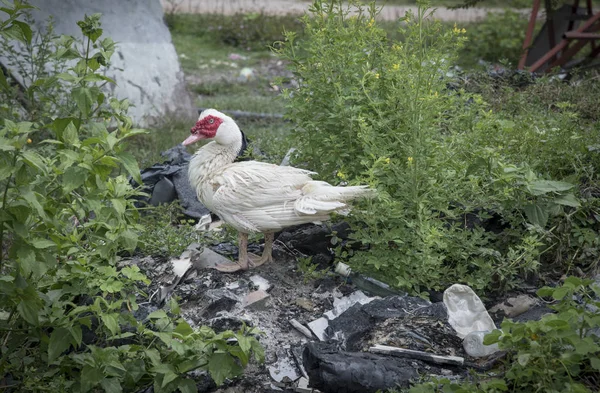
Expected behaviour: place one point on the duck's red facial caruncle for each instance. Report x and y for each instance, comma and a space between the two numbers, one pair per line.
205, 128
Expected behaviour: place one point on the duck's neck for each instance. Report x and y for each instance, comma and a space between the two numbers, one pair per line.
210, 159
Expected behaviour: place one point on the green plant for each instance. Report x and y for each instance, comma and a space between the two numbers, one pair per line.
67, 313
310, 270
498, 38
166, 231
558, 353
370, 110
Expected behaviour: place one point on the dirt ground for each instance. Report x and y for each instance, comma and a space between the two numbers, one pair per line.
282, 7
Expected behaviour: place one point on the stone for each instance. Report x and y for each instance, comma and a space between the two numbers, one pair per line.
301, 328
145, 65
513, 306
305, 304
466, 312
256, 300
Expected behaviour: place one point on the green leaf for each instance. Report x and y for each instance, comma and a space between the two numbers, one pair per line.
541, 187
60, 341
32, 198
111, 286
111, 321
25, 29
545, 292
119, 205
84, 100
34, 160
221, 366
26, 260
69, 134
167, 378
492, 338
187, 386
184, 329
136, 369
158, 314
111, 385
3, 81
131, 166
595, 362
567, 200
90, 377
77, 334
29, 311
73, 178
42, 243
536, 214
560, 293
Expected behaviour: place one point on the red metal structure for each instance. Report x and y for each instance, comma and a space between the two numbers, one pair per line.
566, 32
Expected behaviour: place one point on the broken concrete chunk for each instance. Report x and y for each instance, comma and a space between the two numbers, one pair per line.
318, 327
466, 312
305, 304
514, 306
256, 300
301, 328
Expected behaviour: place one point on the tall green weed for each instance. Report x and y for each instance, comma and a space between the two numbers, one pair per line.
371, 110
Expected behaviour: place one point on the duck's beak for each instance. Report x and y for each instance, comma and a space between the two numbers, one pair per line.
193, 139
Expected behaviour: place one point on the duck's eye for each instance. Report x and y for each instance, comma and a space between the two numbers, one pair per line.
211, 121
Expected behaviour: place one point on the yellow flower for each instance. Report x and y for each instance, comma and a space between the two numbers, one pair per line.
409, 160
387, 160
463, 30
396, 47
396, 66
435, 94
371, 22
29, 140
341, 175
377, 76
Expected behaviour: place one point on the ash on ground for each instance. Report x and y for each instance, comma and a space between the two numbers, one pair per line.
322, 335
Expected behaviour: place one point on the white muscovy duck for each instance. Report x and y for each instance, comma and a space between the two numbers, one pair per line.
256, 196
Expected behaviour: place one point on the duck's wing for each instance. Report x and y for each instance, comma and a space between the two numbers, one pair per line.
258, 196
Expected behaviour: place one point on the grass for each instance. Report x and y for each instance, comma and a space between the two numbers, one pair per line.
212, 69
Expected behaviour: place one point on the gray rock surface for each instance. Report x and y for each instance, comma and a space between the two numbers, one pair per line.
145, 65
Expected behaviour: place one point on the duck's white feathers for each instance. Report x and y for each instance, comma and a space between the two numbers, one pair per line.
260, 197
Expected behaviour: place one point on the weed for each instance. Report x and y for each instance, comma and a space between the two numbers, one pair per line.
309, 270
166, 231
67, 210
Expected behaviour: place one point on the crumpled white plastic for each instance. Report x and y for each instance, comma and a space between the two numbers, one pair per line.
466, 312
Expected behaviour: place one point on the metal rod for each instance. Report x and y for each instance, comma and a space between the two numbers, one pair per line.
529, 33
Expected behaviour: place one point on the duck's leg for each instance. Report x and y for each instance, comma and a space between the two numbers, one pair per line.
243, 257
267, 251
